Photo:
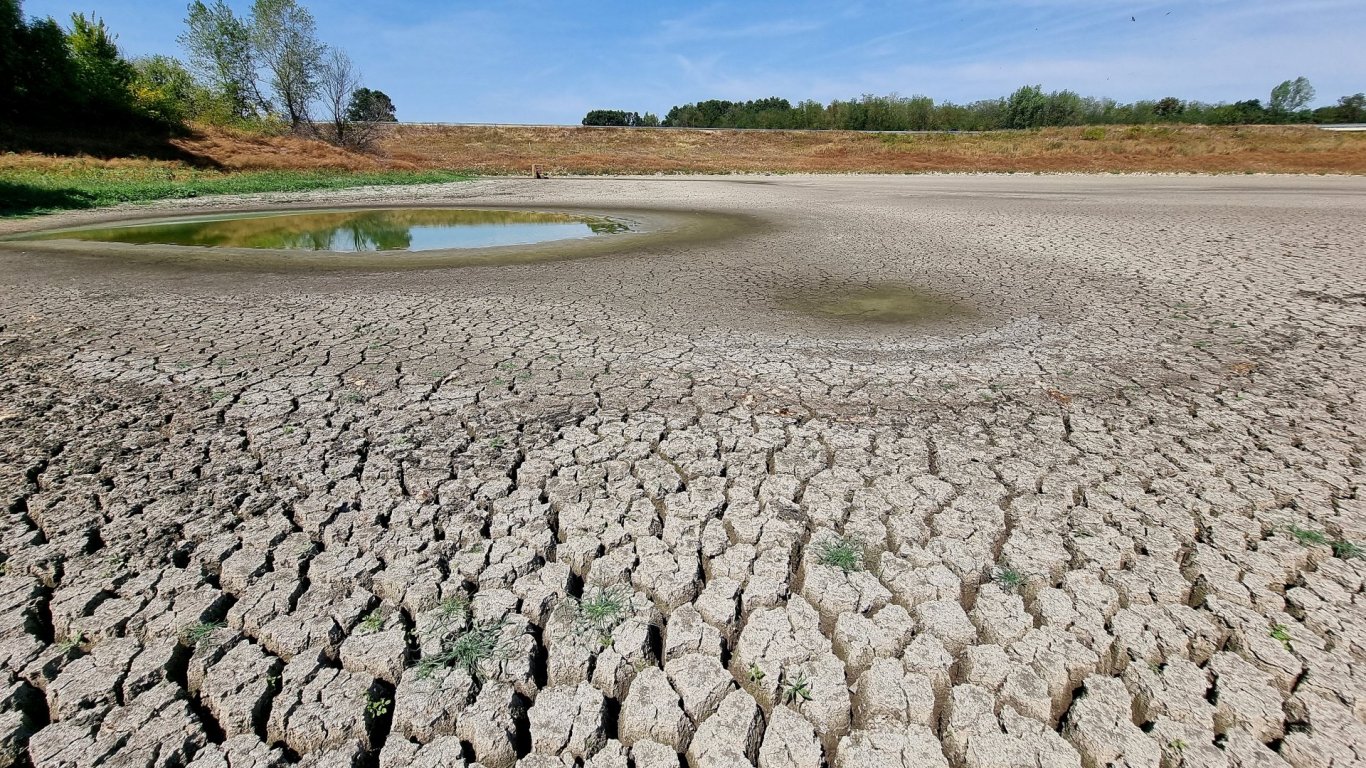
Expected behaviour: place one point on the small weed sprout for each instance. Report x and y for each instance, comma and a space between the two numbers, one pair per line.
1008, 578
1307, 537
1348, 550
451, 611
795, 688
1281, 633
604, 611
377, 708
843, 554
469, 651
373, 622
71, 643
196, 635
756, 675
1178, 746
452, 607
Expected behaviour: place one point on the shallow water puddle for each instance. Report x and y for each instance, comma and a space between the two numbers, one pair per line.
411, 229
880, 304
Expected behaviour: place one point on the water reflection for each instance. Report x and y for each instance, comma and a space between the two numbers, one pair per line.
359, 231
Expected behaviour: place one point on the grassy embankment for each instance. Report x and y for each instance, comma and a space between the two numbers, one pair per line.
217, 161
1109, 149
207, 162
92, 184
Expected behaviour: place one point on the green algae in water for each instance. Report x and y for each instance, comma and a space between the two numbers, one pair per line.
412, 229
890, 304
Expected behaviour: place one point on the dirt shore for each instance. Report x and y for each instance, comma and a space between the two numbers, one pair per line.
910, 471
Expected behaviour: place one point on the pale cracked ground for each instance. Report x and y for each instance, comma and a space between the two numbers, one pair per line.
1111, 521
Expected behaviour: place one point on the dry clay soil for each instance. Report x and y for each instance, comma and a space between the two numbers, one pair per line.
649, 507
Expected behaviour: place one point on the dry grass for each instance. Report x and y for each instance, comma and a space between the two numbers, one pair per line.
234, 150
497, 151
1260, 149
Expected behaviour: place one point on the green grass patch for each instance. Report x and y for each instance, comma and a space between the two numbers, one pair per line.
844, 554
1308, 537
603, 611
30, 191
470, 650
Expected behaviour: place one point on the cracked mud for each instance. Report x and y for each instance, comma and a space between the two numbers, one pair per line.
640, 509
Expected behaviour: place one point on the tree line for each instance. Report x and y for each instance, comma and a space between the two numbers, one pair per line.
265, 69
1028, 107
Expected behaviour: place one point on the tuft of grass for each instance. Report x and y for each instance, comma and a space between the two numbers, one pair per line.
1348, 550
69, 644
1307, 537
195, 634
795, 688
373, 622
603, 611
844, 554
1281, 633
31, 188
468, 650
453, 607
1008, 578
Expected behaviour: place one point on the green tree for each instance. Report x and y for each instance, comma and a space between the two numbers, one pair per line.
369, 106
1063, 108
219, 46
1352, 109
13, 33
1169, 106
286, 41
102, 75
1026, 107
45, 80
1291, 96
163, 89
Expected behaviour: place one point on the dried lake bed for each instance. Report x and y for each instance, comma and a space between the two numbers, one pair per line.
818, 470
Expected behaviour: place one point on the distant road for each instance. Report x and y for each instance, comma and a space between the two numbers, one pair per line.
1344, 127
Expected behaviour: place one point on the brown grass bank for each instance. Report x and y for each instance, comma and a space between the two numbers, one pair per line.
513, 150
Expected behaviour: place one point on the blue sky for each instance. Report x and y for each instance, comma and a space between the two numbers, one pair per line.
549, 61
